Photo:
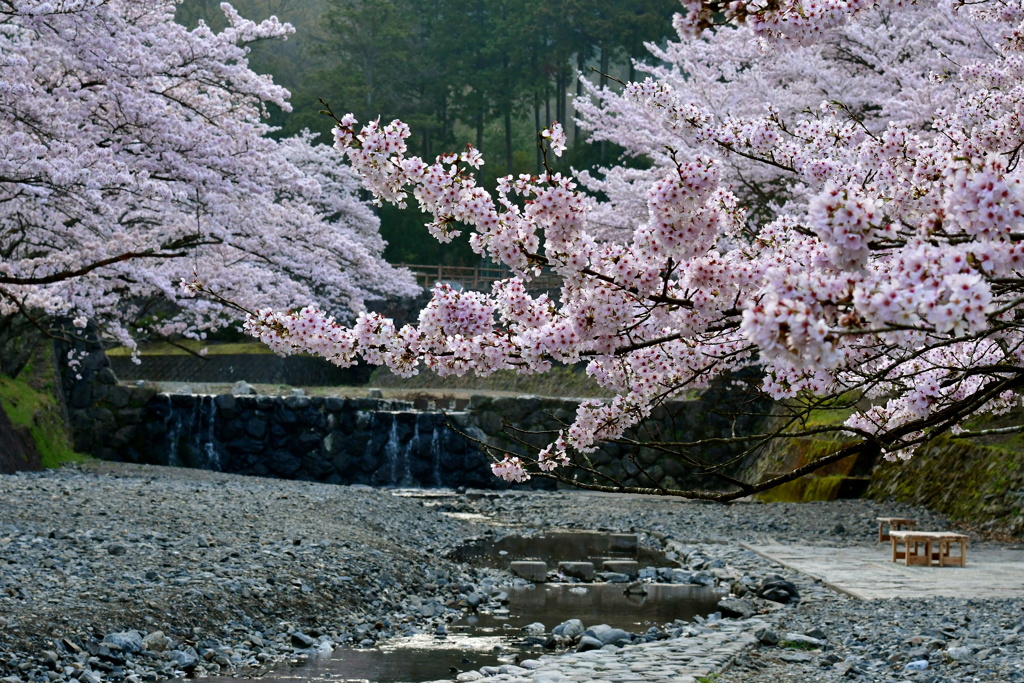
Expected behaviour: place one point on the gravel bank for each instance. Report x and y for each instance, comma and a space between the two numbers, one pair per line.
248, 568
139, 573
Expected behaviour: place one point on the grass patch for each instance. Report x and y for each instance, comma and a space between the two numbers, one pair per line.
30, 401
165, 349
798, 645
713, 678
559, 381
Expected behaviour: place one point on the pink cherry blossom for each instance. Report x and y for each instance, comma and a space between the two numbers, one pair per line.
133, 154
832, 196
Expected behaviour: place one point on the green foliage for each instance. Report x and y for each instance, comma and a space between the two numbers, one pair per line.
976, 481
712, 678
192, 347
487, 72
798, 645
30, 401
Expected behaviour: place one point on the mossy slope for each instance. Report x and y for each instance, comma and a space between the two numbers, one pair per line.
30, 401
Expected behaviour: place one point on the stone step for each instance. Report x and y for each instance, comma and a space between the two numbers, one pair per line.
536, 572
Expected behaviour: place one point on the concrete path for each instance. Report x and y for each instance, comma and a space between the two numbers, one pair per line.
868, 572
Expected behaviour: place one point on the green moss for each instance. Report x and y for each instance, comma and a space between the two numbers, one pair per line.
798, 645
29, 401
805, 490
973, 481
164, 349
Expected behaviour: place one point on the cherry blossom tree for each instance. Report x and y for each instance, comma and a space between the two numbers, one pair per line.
133, 153
834, 202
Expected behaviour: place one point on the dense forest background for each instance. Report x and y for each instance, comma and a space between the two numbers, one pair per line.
489, 72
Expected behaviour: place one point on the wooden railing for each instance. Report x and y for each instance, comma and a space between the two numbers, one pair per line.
476, 278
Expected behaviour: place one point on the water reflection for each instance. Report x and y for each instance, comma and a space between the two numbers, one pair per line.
492, 639
598, 603
404, 660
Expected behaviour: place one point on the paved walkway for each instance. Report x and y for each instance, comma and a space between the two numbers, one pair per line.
868, 572
677, 660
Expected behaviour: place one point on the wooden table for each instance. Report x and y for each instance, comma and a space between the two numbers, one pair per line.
895, 524
928, 548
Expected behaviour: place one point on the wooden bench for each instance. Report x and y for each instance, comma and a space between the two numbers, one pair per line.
894, 524
928, 548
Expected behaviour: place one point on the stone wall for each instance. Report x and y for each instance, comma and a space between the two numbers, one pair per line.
370, 441
715, 414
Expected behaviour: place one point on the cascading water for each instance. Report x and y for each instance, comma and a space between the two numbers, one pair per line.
172, 423
391, 449
405, 463
435, 456
191, 440
209, 449
359, 441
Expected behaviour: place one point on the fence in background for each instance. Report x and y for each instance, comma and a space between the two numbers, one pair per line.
476, 278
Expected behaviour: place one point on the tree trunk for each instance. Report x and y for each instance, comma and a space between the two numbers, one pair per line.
605, 65
579, 93
480, 127
508, 138
537, 127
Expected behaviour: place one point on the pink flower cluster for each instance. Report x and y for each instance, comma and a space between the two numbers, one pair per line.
834, 197
135, 151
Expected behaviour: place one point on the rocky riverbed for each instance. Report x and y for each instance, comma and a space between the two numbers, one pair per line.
137, 573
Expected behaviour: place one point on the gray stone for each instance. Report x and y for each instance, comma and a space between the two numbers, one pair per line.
958, 654
606, 634
297, 402
155, 642
802, 640
128, 641
703, 579
534, 629
588, 643
300, 639
630, 568
766, 636
226, 405
613, 577
736, 608
116, 549
537, 572
184, 660
573, 628
577, 570
778, 589
679, 576
816, 632
242, 388
119, 396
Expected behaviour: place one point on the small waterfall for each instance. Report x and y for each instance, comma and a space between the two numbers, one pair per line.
190, 433
210, 449
173, 423
435, 455
391, 451
407, 455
